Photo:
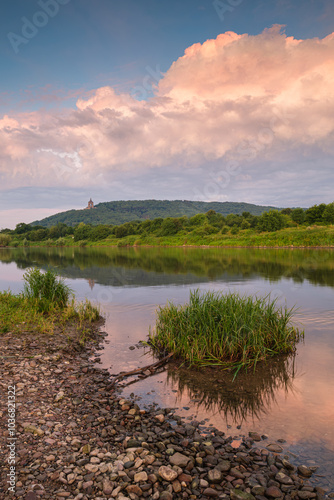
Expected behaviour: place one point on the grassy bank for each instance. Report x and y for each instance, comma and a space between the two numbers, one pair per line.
313, 236
297, 237
46, 306
226, 330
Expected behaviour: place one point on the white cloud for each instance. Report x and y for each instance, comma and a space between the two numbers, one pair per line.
251, 100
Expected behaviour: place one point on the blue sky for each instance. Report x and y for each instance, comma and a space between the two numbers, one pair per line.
84, 46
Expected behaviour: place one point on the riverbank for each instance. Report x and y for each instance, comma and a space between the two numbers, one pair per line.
291, 237
76, 438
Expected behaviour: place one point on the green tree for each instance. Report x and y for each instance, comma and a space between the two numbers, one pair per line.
100, 232
22, 228
286, 211
54, 232
328, 214
82, 232
245, 224
171, 226
298, 215
271, 221
197, 220
233, 220
313, 215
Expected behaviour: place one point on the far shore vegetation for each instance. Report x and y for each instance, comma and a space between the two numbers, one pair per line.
297, 227
45, 306
227, 330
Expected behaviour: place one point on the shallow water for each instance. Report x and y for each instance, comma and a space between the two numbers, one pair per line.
290, 398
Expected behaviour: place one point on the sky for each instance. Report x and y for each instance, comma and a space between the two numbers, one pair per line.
210, 100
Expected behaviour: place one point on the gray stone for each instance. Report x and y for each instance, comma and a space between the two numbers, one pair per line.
140, 476
210, 492
273, 492
283, 478
304, 495
254, 435
133, 443
179, 459
31, 495
215, 476
304, 471
276, 448
167, 473
224, 465
237, 494
108, 487
258, 490
166, 495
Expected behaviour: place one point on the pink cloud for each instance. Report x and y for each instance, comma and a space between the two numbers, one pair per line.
250, 97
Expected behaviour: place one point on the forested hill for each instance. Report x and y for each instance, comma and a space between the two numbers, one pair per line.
118, 212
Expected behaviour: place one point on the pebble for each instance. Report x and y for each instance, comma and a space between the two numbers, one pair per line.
77, 439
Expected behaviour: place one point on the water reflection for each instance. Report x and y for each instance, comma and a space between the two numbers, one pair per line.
287, 398
165, 266
248, 396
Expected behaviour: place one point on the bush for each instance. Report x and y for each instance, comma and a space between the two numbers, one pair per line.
205, 230
46, 288
271, 221
298, 215
313, 215
82, 232
228, 330
328, 214
61, 242
197, 220
245, 224
171, 226
5, 239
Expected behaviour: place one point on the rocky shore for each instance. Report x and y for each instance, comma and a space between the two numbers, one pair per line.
73, 436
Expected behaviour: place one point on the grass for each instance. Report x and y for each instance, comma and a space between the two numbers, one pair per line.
302, 236
227, 330
46, 289
46, 306
5, 240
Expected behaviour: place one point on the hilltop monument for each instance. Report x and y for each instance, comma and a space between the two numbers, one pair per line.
90, 205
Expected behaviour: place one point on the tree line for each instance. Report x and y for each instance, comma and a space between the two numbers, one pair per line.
201, 224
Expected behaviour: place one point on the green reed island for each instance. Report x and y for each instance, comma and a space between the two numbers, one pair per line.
227, 330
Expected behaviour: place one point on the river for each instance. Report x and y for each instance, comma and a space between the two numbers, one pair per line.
290, 399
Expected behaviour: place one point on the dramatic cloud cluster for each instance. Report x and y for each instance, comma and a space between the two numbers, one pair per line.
252, 103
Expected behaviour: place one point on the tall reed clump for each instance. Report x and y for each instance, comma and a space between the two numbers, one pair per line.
224, 329
46, 305
47, 289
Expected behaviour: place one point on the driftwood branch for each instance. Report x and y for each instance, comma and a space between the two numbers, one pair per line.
153, 366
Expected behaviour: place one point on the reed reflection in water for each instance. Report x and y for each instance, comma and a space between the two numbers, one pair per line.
249, 395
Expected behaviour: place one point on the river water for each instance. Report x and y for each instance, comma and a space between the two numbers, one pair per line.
290, 399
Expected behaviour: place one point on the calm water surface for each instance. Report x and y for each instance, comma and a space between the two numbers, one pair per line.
287, 398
